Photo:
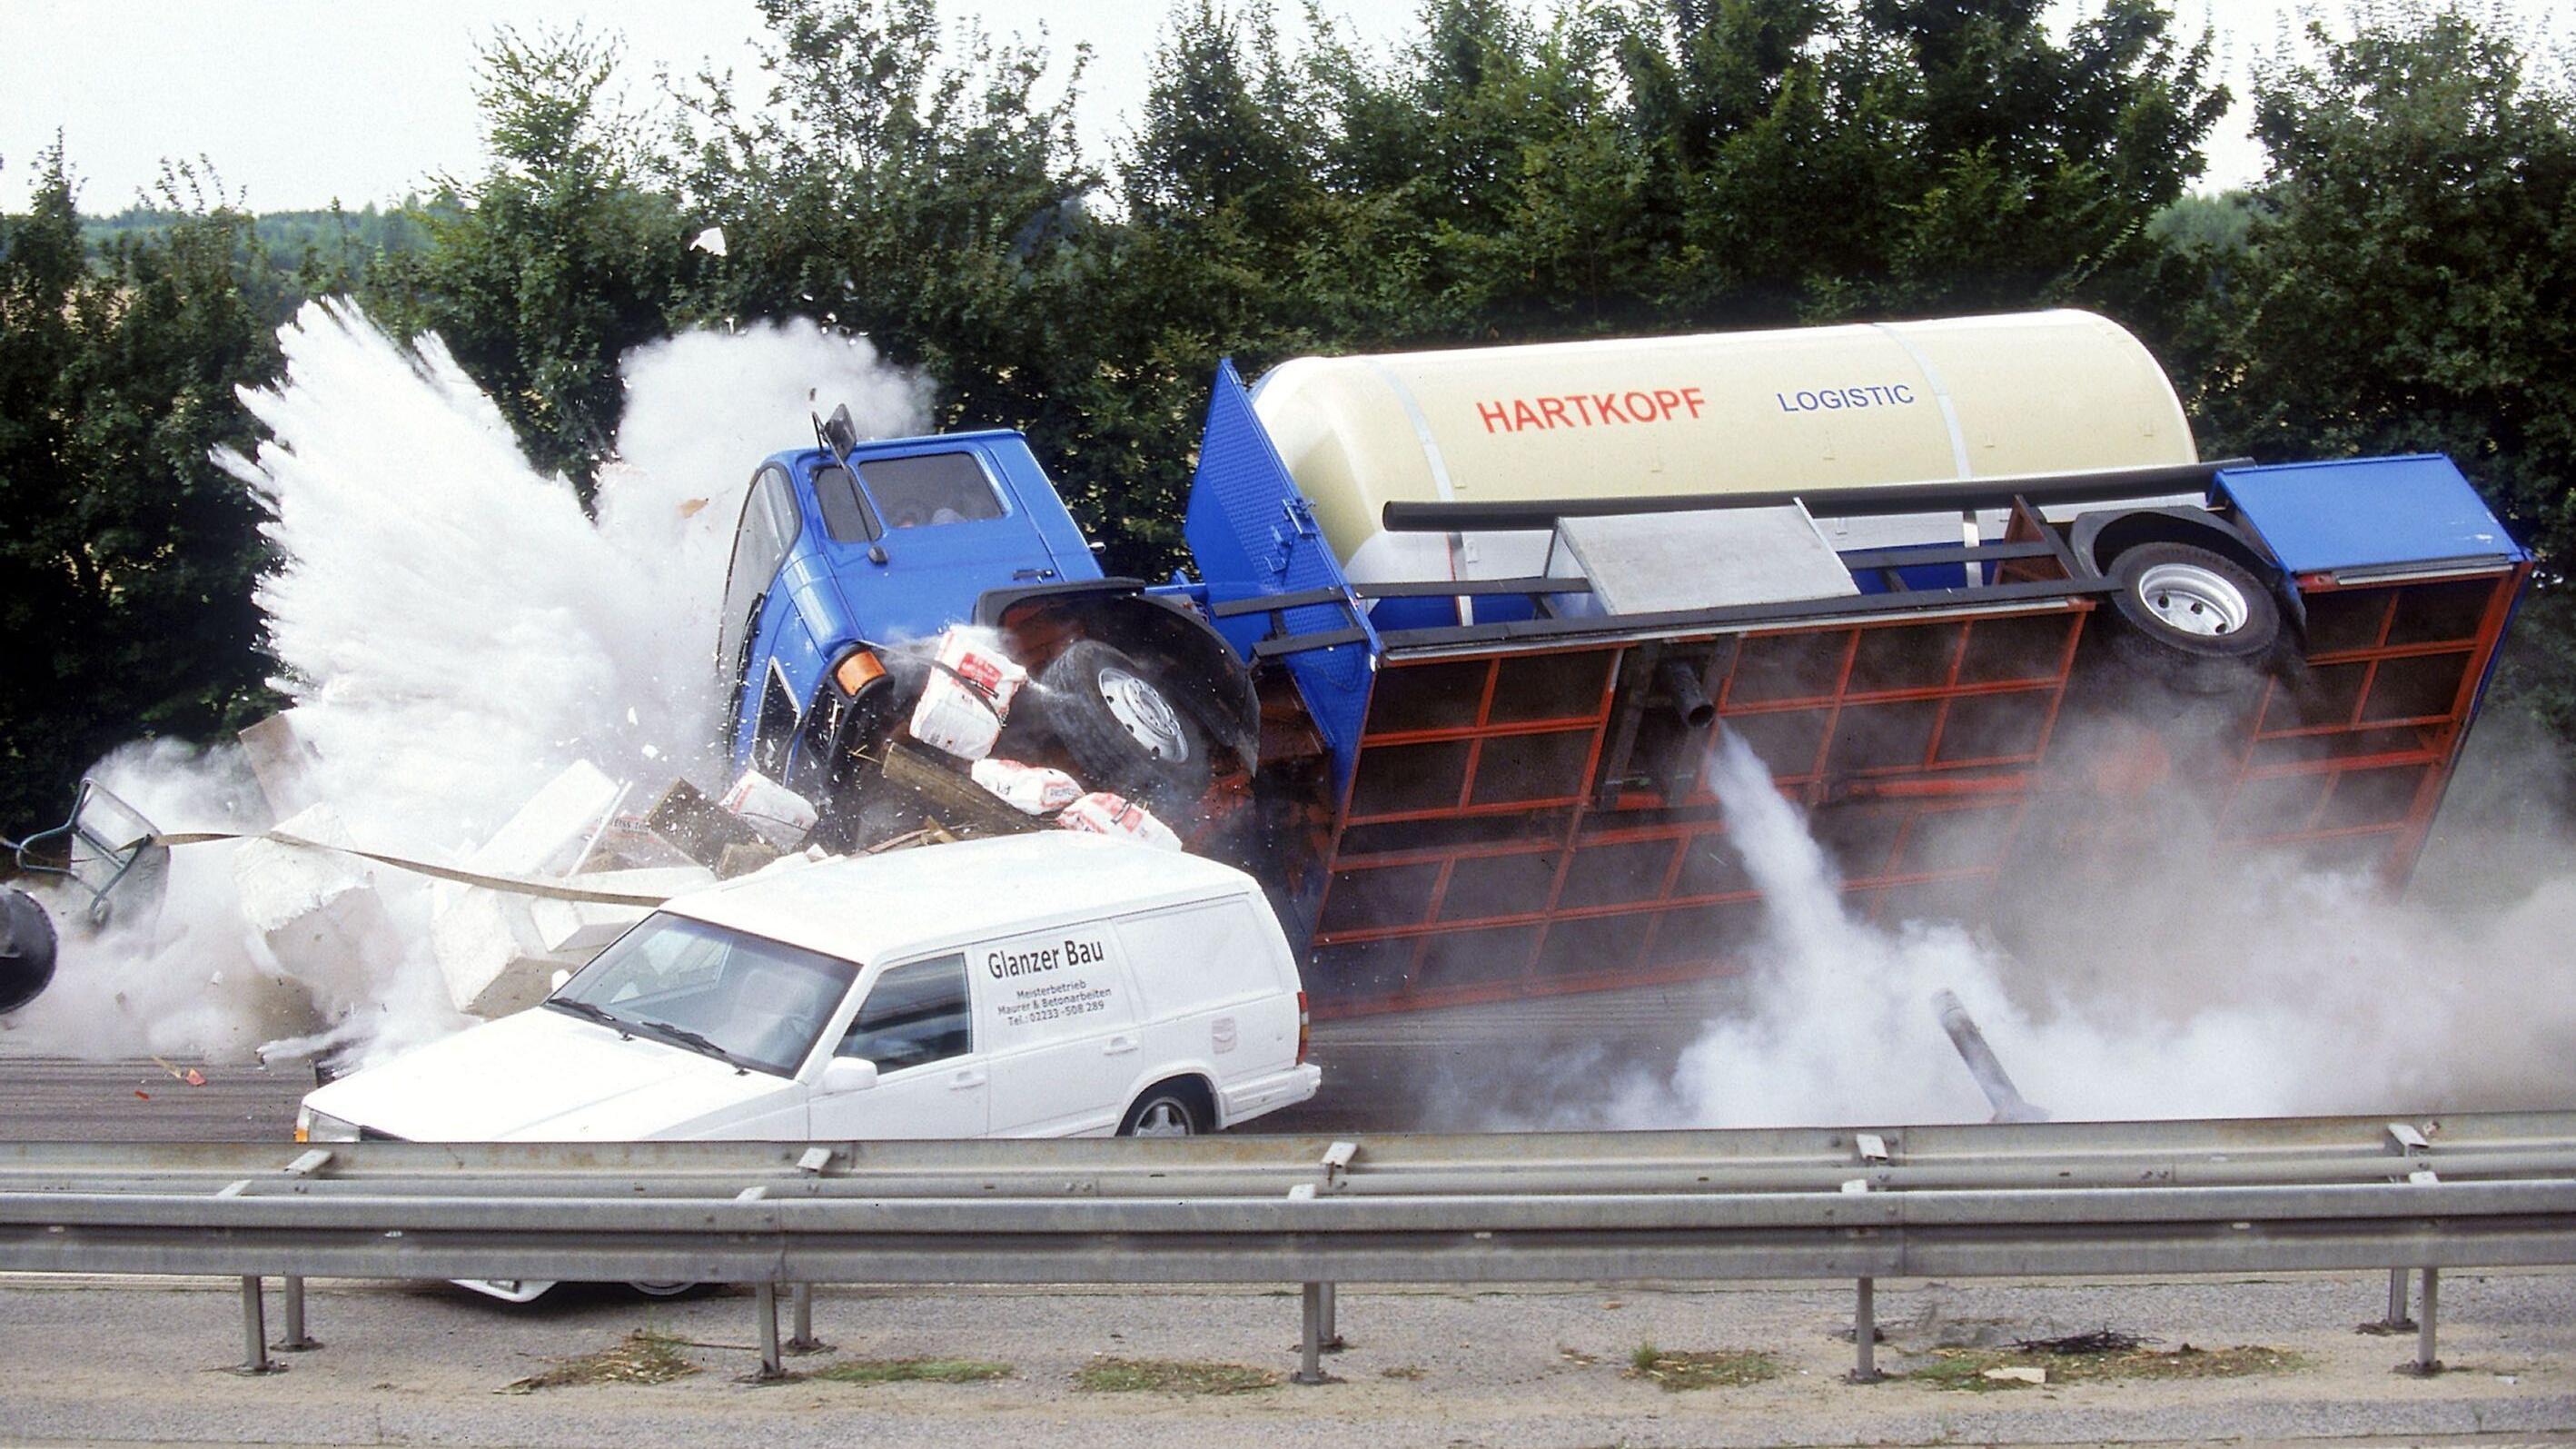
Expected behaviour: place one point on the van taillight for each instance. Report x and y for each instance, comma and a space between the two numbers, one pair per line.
1303, 1032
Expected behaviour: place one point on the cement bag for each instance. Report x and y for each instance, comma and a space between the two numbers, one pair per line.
1102, 813
780, 815
1029, 789
968, 696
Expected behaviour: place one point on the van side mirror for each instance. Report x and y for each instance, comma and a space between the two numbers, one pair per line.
847, 1074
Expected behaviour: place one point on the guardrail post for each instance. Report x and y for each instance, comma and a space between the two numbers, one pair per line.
1331, 1341
2396, 1321
765, 1309
2425, 1364
296, 1340
802, 1296
1865, 1335
255, 1359
1310, 1363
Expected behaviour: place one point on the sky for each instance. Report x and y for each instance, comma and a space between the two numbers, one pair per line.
299, 102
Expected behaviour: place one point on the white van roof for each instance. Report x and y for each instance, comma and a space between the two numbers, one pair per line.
868, 908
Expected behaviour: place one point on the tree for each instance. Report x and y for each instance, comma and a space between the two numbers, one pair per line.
2409, 284
126, 557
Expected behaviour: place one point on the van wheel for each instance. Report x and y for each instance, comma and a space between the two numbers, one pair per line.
1121, 727
664, 1290
1165, 1111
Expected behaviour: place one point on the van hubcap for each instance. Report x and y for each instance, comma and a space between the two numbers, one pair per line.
1142, 711
2193, 600
1163, 1118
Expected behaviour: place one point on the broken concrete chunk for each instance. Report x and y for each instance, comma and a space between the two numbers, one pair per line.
317, 910
692, 824
741, 860
569, 928
279, 759
2009, 1375
549, 833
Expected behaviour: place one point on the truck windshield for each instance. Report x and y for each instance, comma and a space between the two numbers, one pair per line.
930, 489
758, 1004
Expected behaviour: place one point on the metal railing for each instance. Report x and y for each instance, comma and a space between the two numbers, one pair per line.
2022, 1199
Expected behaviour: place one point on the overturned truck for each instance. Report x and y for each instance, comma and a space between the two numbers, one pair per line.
1467, 626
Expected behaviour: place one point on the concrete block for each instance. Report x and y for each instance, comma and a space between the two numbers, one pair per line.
568, 928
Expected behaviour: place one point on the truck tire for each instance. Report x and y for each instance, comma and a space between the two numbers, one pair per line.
2190, 619
26, 949
1168, 1109
1122, 729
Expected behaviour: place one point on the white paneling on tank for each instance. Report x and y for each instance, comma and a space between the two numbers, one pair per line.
1897, 402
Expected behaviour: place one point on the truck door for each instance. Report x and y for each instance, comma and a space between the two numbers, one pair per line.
753, 602
915, 1025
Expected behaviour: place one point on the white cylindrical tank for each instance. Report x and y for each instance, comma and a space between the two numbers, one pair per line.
1874, 403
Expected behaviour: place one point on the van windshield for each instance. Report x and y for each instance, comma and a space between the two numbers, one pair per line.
757, 1004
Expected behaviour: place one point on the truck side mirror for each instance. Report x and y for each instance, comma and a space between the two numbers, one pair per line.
847, 1074
840, 432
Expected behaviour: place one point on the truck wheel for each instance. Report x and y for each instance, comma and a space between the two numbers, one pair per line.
2193, 620
1119, 726
1168, 1110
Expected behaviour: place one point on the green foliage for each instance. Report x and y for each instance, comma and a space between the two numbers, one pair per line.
2409, 284
126, 557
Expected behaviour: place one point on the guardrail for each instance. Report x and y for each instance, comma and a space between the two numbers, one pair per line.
2026, 1199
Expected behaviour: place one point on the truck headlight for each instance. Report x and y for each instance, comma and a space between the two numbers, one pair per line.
312, 1126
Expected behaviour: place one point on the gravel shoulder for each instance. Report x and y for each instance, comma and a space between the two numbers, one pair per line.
142, 1360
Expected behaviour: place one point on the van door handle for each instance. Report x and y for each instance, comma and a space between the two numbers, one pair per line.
971, 1077
1119, 1046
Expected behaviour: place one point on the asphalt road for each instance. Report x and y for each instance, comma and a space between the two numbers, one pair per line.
1465, 1069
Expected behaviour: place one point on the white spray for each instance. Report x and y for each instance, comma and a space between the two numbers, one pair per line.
452, 630
2287, 992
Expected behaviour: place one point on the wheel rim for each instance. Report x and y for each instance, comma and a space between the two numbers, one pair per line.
2192, 599
662, 1290
1141, 710
1163, 1117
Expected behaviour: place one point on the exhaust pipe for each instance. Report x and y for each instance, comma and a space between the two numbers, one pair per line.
26, 950
2007, 1099
1691, 704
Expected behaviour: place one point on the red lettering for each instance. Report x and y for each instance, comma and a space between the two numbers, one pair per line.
1691, 397
1554, 407
1525, 416
1667, 400
1582, 408
1641, 406
1608, 403
1493, 413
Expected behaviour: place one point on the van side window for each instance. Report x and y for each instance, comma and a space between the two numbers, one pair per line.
1191, 954
914, 1014
845, 513
932, 488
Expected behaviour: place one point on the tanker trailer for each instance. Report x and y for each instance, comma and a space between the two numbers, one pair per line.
1963, 586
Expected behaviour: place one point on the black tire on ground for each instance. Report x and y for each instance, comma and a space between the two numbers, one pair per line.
2192, 620
1167, 1109
1122, 729
26, 949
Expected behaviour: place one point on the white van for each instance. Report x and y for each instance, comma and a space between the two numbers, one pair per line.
1042, 985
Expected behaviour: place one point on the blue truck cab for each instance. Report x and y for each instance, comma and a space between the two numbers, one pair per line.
851, 558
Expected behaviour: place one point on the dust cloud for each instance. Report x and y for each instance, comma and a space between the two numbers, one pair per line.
2178, 990
452, 629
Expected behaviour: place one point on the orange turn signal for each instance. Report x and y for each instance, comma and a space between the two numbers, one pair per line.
857, 672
